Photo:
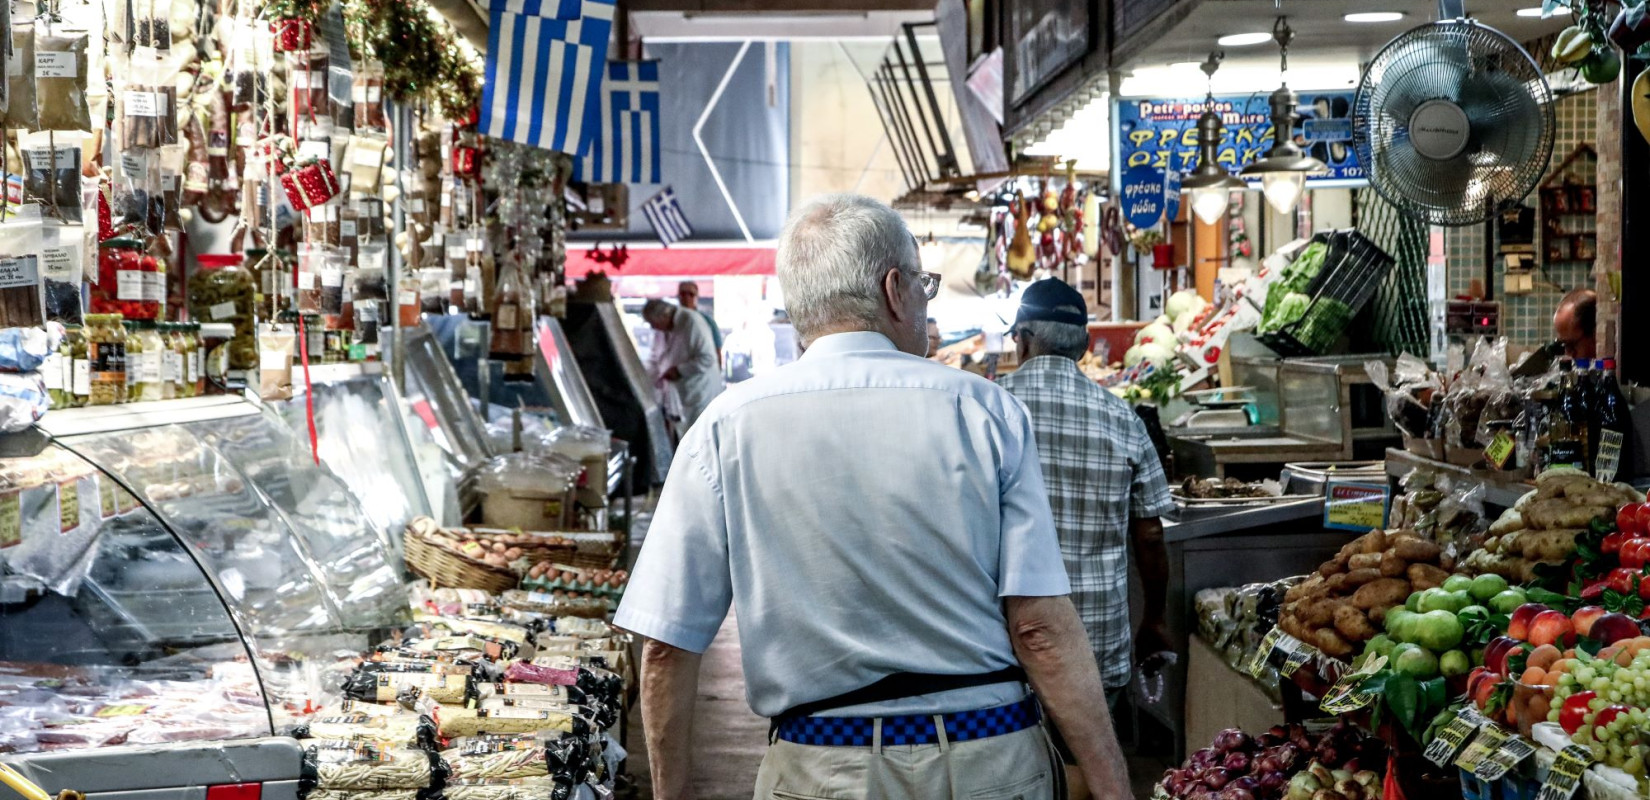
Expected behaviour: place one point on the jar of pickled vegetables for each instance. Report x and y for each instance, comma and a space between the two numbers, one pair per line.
80, 372
129, 283
169, 361
197, 360
223, 290
106, 354
151, 352
134, 362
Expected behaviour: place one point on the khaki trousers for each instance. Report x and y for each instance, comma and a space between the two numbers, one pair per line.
1015, 766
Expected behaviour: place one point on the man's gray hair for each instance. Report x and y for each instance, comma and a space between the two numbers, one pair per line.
654, 308
832, 257
1055, 338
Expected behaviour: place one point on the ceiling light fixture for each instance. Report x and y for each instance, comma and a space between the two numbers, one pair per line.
1530, 12
1243, 39
1210, 185
1282, 172
1374, 16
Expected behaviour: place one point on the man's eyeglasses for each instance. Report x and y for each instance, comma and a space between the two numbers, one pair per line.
930, 284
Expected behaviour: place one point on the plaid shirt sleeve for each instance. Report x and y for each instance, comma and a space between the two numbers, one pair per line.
1149, 491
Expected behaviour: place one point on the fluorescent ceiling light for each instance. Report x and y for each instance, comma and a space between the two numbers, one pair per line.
1308, 75
1244, 39
1374, 16
1530, 12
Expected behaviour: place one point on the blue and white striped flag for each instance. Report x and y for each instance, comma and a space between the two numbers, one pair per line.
627, 144
665, 216
544, 67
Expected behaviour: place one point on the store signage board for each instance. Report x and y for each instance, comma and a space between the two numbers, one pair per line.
1143, 193
1171, 194
1161, 133
1350, 506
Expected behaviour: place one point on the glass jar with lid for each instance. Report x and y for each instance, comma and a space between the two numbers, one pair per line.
150, 383
106, 357
197, 359
76, 371
224, 291
134, 362
170, 361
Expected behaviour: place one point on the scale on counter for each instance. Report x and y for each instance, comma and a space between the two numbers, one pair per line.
1227, 407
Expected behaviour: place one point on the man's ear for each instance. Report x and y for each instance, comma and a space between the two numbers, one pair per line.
893, 287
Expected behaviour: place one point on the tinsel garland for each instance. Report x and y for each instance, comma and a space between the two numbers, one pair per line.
422, 59
308, 10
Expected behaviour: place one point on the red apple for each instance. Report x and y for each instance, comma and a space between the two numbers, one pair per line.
1612, 628
1495, 653
1475, 677
1552, 627
1570, 717
1585, 617
1521, 617
1485, 688
1627, 519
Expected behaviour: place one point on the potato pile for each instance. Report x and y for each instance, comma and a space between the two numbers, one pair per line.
1345, 602
1543, 526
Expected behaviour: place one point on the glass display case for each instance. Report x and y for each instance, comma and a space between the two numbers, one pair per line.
179, 571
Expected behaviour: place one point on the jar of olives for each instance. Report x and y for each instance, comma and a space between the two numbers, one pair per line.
134, 362
170, 360
80, 372
196, 363
151, 352
106, 354
223, 290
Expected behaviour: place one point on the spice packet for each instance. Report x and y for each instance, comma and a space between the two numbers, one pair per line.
60, 80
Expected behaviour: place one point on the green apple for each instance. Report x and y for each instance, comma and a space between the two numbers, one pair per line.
1400, 624
1487, 586
1438, 630
1508, 600
1440, 600
1380, 645
1457, 583
1416, 663
1454, 663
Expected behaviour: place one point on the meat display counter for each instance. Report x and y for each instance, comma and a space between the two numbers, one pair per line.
173, 576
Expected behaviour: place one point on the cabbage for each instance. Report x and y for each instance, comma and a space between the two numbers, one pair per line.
1155, 332
1291, 308
1158, 353
1184, 322
1182, 302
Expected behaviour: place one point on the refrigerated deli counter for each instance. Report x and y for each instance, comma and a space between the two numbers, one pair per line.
173, 578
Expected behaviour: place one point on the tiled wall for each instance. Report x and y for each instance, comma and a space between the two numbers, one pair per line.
1526, 319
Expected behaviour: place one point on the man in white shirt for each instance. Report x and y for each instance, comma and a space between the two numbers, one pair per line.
881, 522
683, 359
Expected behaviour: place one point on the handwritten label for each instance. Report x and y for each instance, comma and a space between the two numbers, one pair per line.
142, 104
1565, 775
1258, 666
1500, 450
68, 505
1489, 738
1507, 755
1356, 506
1454, 736
1347, 695
11, 519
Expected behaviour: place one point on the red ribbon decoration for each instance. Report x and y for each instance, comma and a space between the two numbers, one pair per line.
309, 393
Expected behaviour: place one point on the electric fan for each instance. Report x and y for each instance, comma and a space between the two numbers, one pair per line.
1453, 121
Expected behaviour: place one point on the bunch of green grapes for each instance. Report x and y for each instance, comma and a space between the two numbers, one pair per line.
1623, 739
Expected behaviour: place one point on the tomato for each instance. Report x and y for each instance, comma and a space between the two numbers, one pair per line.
1609, 714
1571, 716
1627, 519
1621, 579
1635, 552
1644, 517
1612, 542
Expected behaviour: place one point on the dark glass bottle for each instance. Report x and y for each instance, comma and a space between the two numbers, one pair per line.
1567, 425
1615, 425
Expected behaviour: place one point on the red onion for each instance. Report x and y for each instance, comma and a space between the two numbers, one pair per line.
1273, 781
1216, 777
1234, 793
1236, 761
1247, 783
1268, 763
1203, 759
1232, 739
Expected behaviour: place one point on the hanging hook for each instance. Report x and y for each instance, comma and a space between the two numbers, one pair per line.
1283, 35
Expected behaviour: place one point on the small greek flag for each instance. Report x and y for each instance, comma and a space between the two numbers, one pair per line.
666, 217
544, 65
627, 145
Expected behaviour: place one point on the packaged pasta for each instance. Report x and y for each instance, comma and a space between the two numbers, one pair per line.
525, 763
386, 687
472, 722
517, 789
365, 766
402, 729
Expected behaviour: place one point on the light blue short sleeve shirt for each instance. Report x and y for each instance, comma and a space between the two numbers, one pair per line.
867, 510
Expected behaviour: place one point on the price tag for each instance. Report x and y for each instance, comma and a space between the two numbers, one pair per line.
1264, 651
19, 271
68, 505
56, 64
1356, 506
1454, 736
1565, 775
142, 104
1345, 695
11, 519
1295, 654
223, 310
1489, 738
1609, 456
1500, 450
1509, 754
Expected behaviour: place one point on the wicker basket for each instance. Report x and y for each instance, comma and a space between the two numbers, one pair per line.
535, 546
446, 568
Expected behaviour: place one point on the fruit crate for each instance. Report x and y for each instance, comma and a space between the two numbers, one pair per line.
1353, 269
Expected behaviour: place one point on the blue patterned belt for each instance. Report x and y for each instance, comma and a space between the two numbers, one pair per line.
910, 729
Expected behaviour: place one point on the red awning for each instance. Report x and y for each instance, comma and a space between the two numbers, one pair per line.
676, 262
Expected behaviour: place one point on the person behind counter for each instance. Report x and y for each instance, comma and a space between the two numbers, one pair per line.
1575, 324
1105, 484
887, 635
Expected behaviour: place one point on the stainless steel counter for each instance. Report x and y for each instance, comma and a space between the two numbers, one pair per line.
1196, 525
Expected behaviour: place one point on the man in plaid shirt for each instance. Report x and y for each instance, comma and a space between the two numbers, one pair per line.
1103, 478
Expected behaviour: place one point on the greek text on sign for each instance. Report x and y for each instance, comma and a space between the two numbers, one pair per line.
1454, 736
1347, 694
19, 271
1356, 506
1162, 133
1489, 739
1505, 757
1264, 651
1337, 129
1564, 777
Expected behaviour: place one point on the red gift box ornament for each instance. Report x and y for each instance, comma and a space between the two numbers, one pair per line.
291, 35
310, 185
465, 161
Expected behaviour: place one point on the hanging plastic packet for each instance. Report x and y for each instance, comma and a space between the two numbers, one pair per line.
374, 255
333, 267
148, 116
308, 92
60, 79
368, 94
277, 344
248, 84
366, 163
152, 24
310, 259
172, 164
22, 303
371, 212
433, 283
21, 109
63, 256
340, 99
322, 225
128, 190
349, 230
53, 173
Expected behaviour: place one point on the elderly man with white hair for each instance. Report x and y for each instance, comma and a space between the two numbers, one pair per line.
881, 523
683, 361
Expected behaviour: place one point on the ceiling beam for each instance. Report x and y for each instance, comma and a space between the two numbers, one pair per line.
779, 6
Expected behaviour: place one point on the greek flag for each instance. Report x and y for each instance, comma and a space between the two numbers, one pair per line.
666, 217
544, 60
627, 145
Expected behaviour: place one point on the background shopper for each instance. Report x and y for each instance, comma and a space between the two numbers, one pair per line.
682, 360
687, 295
1105, 484
883, 631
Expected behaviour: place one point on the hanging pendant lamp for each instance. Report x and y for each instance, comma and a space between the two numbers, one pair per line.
1284, 169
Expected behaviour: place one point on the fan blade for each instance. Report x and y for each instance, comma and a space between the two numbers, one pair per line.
1425, 69
1508, 128
1421, 179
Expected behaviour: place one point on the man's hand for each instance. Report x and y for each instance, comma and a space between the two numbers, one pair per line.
673, 374
670, 685
1051, 644
1152, 640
